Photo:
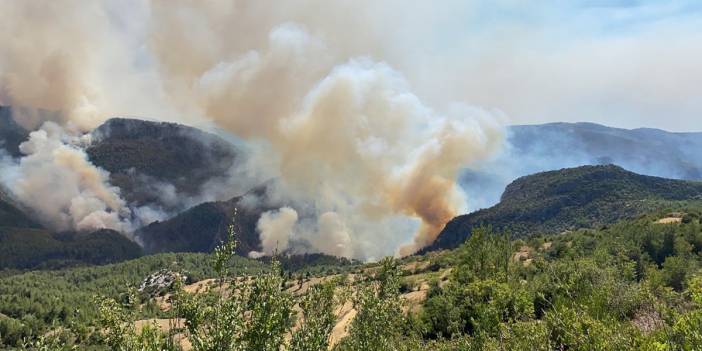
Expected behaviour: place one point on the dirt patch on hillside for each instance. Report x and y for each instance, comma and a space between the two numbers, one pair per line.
523, 255
346, 314
669, 220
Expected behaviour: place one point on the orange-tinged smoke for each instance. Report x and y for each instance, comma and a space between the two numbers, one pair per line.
362, 158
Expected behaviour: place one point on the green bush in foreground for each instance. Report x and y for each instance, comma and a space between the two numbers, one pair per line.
259, 315
636, 285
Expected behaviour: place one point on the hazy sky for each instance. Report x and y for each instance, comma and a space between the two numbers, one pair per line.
621, 63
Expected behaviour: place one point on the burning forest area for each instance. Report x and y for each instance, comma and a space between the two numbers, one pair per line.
350, 175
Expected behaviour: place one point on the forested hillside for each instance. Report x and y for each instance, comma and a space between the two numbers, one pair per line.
537, 148
569, 199
36, 248
152, 162
636, 285
203, 227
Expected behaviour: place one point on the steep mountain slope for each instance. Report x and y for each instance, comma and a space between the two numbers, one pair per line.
12, 216
203, 227
153, 164
537, 148
11, 133
555, 201
148, 161
152, 161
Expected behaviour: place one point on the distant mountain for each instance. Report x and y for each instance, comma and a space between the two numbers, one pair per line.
583, 197
152, 161
537, 148
646, 151
203, 227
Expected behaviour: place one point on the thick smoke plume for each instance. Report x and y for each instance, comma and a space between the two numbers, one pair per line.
56, 180
363, 159
276, 228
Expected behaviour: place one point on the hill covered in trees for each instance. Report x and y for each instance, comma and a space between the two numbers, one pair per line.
37, 248
568, 199
154, 162
634, 285
25, 244
531, 149
203, 227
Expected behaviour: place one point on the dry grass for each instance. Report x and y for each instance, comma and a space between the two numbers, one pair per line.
419, 276
669, 220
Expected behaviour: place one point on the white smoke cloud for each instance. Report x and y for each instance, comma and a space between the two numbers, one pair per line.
334, 237
83, 60
57, 181
275, 228
363, 146
365, 152
363, 158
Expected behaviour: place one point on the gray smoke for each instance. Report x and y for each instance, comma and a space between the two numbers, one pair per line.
326, 110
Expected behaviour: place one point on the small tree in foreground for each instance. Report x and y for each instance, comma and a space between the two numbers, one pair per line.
238, 314
379, 322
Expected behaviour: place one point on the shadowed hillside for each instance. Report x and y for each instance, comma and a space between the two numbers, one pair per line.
11, 133
150, 161
24, 244
12, 216
32, 248
203, 227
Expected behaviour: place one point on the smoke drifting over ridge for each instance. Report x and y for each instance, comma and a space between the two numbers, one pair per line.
363, 159
56, 180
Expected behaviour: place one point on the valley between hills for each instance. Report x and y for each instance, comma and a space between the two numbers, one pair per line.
585, 257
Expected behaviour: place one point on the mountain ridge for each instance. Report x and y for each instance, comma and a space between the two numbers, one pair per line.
571, 198
147, 159
202, 227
